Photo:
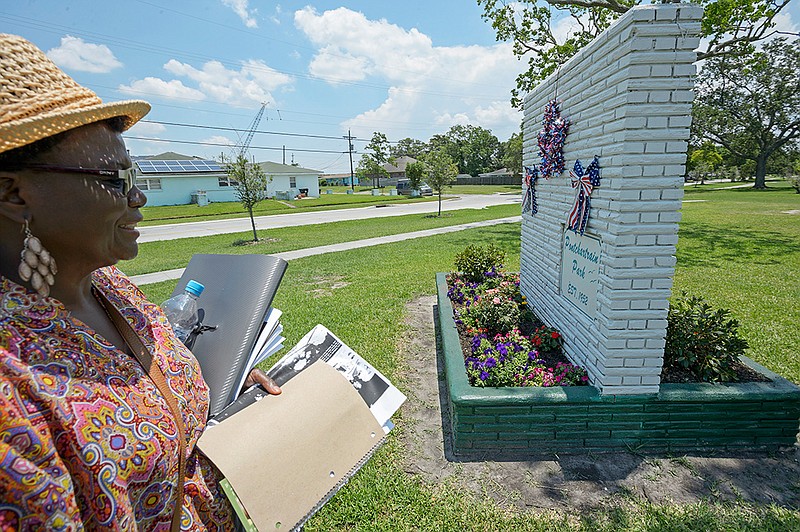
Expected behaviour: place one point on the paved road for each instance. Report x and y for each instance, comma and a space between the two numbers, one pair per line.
237, 225
307, 252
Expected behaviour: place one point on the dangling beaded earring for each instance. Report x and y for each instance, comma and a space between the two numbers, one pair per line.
36, 264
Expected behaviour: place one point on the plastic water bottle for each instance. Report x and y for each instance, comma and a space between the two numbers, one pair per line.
181, 310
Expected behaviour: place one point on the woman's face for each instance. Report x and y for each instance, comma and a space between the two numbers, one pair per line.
85, 221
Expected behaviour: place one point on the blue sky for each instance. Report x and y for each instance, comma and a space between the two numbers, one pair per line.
405, 68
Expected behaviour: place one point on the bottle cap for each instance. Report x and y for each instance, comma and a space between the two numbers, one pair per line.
194, 288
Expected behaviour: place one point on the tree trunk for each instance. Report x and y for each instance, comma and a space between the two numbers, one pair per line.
253, 223
761, 172
440, 203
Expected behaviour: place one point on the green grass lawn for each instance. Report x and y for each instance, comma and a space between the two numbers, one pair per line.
741, 251
170, 254
737, 249
173, 214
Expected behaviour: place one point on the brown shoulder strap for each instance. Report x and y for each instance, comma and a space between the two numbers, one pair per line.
146, 360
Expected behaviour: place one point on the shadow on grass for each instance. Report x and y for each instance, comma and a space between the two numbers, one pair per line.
702, 245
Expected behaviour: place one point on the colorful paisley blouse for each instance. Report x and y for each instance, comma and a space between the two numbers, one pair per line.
86, 439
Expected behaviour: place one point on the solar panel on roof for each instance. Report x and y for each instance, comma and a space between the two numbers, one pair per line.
178, 166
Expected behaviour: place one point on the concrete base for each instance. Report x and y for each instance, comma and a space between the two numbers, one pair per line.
680, 418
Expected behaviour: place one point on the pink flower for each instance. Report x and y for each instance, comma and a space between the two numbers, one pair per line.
496, 300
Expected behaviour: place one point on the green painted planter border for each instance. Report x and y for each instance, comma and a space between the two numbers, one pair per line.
680, 418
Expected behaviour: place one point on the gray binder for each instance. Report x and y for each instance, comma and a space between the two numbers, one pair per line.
238, 293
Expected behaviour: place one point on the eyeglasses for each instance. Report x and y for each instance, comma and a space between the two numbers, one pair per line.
121, 180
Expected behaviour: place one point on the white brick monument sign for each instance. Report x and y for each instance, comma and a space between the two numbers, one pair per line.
580, 271
628, 98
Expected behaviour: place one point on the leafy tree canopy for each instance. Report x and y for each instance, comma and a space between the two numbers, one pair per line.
409, 147
511, 156
472, 148
250, 183
377, 154
415, 172
441, 171
731, 27
751, 104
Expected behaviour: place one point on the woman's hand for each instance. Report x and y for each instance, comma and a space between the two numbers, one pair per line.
258, 376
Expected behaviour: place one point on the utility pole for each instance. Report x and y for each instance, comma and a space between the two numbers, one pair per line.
350, 150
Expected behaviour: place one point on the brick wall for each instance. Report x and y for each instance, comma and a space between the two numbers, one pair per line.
628, 96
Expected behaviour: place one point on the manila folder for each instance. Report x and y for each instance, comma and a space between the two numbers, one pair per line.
286, 455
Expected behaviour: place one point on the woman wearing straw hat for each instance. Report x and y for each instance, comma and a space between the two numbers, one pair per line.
100, 404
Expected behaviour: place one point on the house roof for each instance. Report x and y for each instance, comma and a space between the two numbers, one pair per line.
277, 168
399, 165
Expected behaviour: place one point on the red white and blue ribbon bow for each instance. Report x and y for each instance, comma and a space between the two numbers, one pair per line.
529, 194
584, 182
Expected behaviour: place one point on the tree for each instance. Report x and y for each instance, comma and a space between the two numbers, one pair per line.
473, 148
409, 147
731, 27
378, 153
441, 172
751, 104
705, 160
251, 185
415, 171
511, 154
367, 168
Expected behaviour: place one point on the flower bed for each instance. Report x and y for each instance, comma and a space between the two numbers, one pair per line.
504, 344
530, 420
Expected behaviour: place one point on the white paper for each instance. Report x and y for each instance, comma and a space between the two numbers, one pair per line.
268, 343
382, 397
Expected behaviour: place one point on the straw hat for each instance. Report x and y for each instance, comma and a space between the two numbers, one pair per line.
38, 100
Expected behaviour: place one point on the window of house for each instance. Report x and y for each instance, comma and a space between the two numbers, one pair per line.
226, 181
292, 182
148, 183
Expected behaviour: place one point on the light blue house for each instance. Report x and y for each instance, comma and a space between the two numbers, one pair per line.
174, 179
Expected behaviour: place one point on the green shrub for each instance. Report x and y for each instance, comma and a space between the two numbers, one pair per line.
479, 264
702, 340
493, 312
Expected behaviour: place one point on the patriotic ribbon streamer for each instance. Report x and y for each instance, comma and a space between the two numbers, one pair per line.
529, 194
584, 182
551, 140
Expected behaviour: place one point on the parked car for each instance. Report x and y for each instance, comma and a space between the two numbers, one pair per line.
404, 187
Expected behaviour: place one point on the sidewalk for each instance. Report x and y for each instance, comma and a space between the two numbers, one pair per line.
344, 246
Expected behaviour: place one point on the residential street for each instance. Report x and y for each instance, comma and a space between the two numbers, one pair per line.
236, 225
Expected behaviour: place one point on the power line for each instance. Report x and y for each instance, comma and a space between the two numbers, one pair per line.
238, 130
199, 143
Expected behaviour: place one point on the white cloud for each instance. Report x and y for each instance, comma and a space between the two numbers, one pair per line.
76, 54
335, 65
251, 85
241, 8
430, 87
146, 128
151, 86
219, 139
276, 17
